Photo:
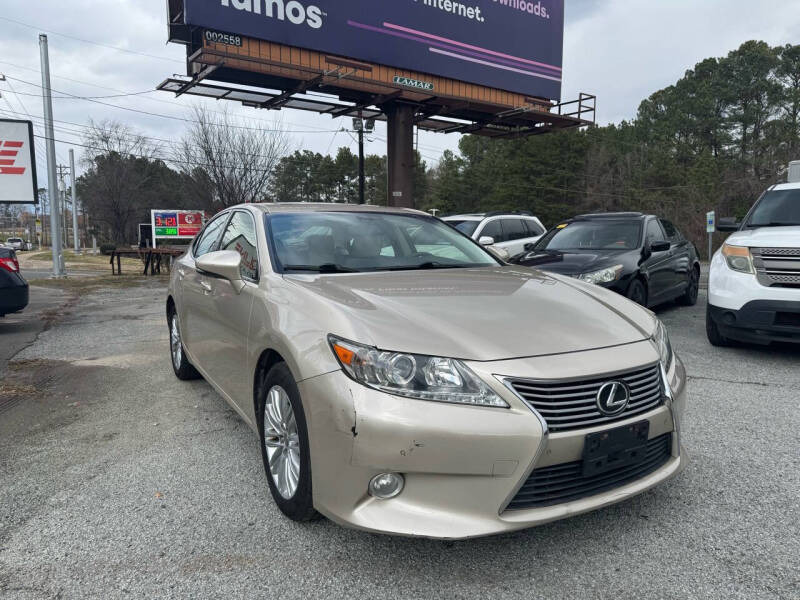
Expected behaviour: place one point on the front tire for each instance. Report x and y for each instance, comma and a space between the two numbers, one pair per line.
284, 444
689, 298
712, 332
637, 292
180, 363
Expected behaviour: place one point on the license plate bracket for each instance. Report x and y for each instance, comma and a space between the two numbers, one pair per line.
616, 448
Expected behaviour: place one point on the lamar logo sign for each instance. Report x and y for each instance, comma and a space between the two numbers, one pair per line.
8, 158
295, 12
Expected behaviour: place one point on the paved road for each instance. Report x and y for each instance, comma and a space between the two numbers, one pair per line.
120, 482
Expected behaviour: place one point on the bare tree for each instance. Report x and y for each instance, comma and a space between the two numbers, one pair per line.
239, 159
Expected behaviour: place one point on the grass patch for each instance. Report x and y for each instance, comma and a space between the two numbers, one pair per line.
84, 285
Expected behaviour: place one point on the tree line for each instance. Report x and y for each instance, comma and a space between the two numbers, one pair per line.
712, 141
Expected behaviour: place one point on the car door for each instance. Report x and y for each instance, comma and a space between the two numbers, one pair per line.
492, 229
535, 231
229, 323
681, 257
657, 265
515, 233
194, 305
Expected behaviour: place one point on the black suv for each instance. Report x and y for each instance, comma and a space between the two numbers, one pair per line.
640, 256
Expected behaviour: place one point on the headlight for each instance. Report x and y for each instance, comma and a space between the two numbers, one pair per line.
603, 276
738, 258
414, 375
661, 341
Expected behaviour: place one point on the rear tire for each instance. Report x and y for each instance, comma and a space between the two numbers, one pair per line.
689, 297
637, 292
713, 334
284, 444
180, 363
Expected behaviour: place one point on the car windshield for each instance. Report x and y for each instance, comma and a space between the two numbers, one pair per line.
347, 242
465, 227
593, 235
777, 208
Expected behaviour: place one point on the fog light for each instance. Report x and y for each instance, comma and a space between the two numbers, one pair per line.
386, 485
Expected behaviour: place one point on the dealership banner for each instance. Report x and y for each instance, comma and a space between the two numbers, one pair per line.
512, 45
18, 183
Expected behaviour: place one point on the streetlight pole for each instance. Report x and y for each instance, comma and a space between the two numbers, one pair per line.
74, 200
52, 179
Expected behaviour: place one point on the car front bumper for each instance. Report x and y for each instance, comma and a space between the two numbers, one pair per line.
759, 321
463, 465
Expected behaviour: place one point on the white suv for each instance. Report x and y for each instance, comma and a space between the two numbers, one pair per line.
754, 284
509, 231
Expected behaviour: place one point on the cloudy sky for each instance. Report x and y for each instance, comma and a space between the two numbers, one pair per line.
620, 50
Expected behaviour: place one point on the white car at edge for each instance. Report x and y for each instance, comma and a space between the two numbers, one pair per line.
754, 282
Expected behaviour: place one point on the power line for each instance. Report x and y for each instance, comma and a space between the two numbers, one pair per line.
100, 44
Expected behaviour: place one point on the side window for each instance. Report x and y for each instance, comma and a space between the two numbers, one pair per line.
533, 228
240, 236
515, 229
654, 232
207, 241
493, 229
673, 235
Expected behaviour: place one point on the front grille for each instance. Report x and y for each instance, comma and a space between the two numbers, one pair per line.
777, 267
566, 482
567, 405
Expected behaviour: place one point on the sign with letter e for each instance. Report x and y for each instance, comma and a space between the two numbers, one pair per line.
18, 183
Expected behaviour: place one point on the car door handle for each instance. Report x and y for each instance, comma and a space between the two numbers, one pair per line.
206, 287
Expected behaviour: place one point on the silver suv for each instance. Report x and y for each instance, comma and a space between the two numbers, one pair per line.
403, 380
510, 232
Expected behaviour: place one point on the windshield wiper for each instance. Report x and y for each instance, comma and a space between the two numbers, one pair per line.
773, 224
326, 268
426, 266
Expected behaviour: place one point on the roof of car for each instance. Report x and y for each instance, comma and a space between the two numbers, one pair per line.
613, 215
306, 207
788, 186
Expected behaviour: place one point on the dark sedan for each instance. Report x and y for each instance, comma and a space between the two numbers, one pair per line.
639, 256
13, 288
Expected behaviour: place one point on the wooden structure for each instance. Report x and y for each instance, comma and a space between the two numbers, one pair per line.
153, 258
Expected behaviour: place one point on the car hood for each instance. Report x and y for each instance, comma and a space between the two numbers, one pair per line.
767, 237
475, 314
572, 262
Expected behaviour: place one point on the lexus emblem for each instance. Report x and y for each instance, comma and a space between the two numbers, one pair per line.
613, 398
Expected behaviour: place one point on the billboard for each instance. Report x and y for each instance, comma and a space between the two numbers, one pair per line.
18, 183
176, 224
512, 45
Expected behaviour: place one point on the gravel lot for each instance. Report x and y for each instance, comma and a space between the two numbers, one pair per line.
118, 481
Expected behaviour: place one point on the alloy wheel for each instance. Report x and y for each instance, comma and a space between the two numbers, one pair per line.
282, 442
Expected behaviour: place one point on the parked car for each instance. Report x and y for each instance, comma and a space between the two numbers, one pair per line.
17, 244
13, 287
403, 380
508, 231
642, 257
754, 281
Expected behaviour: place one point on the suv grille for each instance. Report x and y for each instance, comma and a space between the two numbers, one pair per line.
777, 267
567, 405
566, 482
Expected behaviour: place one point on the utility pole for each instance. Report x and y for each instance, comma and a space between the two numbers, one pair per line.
62, 191
360, 128
58, 256
74, 178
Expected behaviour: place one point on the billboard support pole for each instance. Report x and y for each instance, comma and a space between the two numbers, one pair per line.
361, 159
52, 179
400, 128
74, 201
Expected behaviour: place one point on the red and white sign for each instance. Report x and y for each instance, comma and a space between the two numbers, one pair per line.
18, 183
189, 223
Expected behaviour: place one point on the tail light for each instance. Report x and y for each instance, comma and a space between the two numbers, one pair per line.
9, 264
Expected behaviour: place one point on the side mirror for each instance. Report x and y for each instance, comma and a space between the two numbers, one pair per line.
486, 241
225, 264
660, 247
728, 224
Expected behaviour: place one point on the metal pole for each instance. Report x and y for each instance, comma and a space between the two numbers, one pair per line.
710, 245
55, 228
74, 200
361, 177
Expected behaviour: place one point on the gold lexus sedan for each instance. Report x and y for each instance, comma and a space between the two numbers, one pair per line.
403, 380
